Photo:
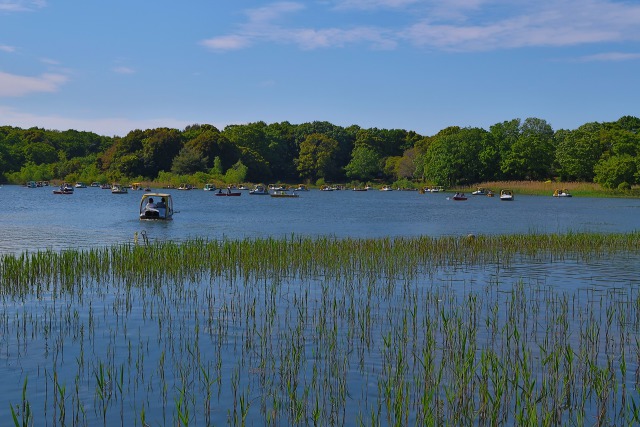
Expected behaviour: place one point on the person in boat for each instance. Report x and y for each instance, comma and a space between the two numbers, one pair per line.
229, 189
150, 204
161, 204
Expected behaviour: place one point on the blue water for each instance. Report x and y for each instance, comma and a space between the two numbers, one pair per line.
158, 339
35, 219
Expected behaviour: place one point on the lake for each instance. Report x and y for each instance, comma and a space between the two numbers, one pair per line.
35, 219
290, 341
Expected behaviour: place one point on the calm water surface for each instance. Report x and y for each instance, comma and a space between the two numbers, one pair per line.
155, 341
36, 219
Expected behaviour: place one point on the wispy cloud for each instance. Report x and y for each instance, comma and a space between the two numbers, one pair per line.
123, 70
12, 85
610, 56
457, 25
110, 126
21, 5
8, 49
262, 26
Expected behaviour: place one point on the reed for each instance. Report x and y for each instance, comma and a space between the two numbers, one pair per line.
298, 330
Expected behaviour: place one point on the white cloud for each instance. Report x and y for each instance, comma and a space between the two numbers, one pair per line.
230, 42
610, 56
260, 28
110, 126
21, 5
8, 49
123, 70
457, 25
15, 85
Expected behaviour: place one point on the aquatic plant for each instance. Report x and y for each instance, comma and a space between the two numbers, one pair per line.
475, 330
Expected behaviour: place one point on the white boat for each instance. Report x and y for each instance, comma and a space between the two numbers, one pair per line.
386, 188
64, 189
479, 192
561, 193
118, 189
80, 185
259, 190
209, 187
506, 195
156, 206
31, 184
283, 193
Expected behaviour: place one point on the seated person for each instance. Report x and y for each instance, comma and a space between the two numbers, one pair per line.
150, 204
161, 204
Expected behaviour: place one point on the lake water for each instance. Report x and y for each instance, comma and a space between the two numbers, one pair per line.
283, 350
35, 219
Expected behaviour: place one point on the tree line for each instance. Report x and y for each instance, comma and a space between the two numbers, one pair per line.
606, 153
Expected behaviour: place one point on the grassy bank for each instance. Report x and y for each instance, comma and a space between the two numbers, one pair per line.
546, 188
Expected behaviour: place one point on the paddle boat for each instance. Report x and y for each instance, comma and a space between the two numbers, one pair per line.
64, 189
228, 192
259, 190
301, 187
386, 188
479, 192
506, 195
118, 189
459, 197
209, 187
80, 185
561, 193
156, 206
283, 193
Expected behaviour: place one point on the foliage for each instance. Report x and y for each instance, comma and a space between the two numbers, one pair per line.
364, 164
529, 149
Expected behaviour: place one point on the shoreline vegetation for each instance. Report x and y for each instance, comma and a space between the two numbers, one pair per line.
535, 188
321, 331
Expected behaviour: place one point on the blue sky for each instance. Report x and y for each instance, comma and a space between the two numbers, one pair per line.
114, 66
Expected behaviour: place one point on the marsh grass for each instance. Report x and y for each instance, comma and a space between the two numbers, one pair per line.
546, 188
322, 331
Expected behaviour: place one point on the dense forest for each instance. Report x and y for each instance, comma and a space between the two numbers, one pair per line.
315, 153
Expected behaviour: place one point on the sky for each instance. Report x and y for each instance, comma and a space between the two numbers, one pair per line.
111, 67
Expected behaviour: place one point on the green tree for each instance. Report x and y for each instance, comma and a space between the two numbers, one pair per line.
364, 164
531, 155
576, 154
189, 161
616, 171
317, 157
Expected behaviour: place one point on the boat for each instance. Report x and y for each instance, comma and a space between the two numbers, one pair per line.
259, 190
105, 186
326, 188
209, 187
136, 186
489, 193
31, 184
243, 188
459, 197
156, 206
228, 192
185, 187
80, 185
119, 189
64, 189
506, 195
561, 193
479, 192
359, 189
386, 188
301, 187
283, 193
